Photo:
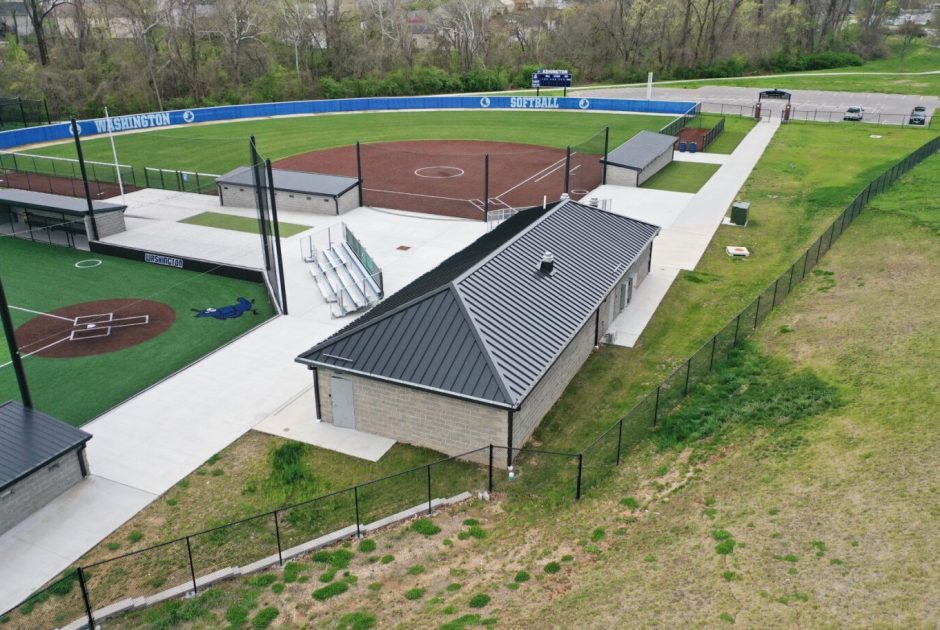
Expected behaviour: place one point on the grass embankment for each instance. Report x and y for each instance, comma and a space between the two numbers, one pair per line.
241, 224
44, 277
218, 148
793, 488
686, 177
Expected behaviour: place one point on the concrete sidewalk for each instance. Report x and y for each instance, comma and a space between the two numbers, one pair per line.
685, 233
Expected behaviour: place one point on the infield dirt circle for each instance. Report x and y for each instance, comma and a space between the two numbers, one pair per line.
453, 177
91, 328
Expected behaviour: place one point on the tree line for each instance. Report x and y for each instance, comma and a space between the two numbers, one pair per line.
141, 55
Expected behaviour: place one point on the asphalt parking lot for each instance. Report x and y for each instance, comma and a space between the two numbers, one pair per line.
884, 108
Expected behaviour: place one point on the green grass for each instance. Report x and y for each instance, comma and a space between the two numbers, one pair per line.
218, 148
736, 127
43, 277
687, 177
241, 224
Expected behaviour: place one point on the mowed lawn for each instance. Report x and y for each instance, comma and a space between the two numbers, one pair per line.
44, 277
218, 148
687, 177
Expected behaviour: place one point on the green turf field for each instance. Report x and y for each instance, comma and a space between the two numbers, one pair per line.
44, 277
241, 224
218, 148
686, 177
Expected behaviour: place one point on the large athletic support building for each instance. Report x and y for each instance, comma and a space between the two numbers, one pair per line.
476, 351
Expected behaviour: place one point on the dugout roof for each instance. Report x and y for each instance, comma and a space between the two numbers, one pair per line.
30, 439
641, 150
487, 323
61, 204
294, 181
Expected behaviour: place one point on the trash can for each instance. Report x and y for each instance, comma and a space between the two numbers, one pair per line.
739, 212
682, 147
693, 147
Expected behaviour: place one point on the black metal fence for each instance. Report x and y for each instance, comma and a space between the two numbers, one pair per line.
816, 115
16, 112
713, 133
683, 121
189, 562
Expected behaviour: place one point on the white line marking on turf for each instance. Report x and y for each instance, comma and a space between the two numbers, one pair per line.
29, 354
26, 310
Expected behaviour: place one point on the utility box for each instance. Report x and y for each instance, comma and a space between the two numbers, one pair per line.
739, 212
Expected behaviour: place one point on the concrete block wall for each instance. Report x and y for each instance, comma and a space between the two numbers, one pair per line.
349, 200
443, 423
657, 165
109, 224
35, 491
552, 385
244, 197
620, 176
301, 202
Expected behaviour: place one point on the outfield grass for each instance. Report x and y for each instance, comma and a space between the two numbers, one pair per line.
218, 148
686, 177
43, 277
241, 224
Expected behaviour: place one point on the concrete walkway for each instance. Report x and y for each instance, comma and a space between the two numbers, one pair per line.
686, 232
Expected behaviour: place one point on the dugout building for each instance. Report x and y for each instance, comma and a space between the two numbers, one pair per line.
476, 351
40, 458
57, 219
639, 158
293, 190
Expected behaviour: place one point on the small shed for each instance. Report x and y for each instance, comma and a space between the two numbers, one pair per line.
40, 458
57, 219
639, 158
293, 190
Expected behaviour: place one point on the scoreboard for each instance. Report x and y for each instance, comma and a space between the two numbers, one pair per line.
551, 78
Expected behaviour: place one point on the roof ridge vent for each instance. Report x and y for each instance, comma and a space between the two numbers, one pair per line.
547, 264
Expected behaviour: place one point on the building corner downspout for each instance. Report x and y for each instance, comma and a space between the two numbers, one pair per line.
316, 392
597, 327
509, 440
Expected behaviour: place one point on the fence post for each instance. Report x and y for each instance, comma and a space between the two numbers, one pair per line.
737, 325
805, 260
711, 360
359, 170
486, 187
773, 303
277, 535
567, 169
606, 149
790, 281
146, 177
81, 584
356, 499
577, 496
429, 489
688, 369
832, 231
656, 407
619, 439
490, 485
192, 567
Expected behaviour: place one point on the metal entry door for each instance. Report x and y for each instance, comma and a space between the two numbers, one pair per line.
344, 410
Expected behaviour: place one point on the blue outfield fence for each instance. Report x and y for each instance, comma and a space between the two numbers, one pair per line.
62, 131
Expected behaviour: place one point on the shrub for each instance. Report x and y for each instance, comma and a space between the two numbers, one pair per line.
598, 534
264, 618
414, 593
134, 536
630, 502
522, 576
725, 547
416, 570
721, 534
236, 615
367, 546
359, 620
425, 526
330, 590
479, 600
388, 558
552, 567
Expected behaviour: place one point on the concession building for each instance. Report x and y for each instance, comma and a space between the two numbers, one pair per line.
293, 190
477, 350
639, 158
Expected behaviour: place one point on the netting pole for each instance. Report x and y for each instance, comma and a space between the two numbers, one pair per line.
8, 330
277, 534
46, 107
486, 187
81, 584
359, 169
259, 200
619, 439
192, 567
567, 168
606, 149
81, 165
22, 112
277, 238
577, 496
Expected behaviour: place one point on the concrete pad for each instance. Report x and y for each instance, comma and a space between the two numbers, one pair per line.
192, 241
659, 207
297, 421
628, 326
701, 158
48, 541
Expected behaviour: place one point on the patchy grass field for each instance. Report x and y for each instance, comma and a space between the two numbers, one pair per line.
241, 224
44, 277
686, 177
809, 502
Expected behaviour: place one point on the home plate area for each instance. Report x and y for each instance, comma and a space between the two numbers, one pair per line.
91, 328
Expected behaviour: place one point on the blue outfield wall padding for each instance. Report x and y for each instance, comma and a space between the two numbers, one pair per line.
62, 131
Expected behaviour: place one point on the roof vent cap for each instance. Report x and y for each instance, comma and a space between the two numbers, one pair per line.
547, 264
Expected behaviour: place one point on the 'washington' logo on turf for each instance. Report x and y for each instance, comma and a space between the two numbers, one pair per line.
534, 102
227, 312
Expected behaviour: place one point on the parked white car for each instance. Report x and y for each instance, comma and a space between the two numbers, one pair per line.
853, 113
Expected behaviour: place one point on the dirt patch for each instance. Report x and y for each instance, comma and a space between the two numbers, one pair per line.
453, 178
693, 134
91, 328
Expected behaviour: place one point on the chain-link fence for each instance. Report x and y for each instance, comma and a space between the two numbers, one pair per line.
16, 112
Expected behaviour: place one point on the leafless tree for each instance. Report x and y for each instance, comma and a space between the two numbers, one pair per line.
38, 11
464, 29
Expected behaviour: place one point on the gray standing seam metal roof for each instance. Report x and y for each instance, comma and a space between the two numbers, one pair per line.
294, 181
492, 333
54, 203
30, 439
641, 150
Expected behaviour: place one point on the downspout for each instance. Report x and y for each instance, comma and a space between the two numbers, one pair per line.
316, 391
597, 326
509, 441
